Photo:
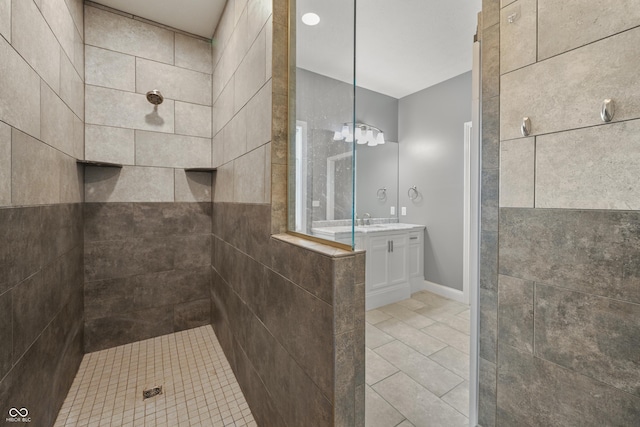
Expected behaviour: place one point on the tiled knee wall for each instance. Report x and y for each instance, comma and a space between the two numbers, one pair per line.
40, 307
147, 270
560, 312
290, 320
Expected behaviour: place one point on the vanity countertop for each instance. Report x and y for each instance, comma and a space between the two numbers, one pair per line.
364, 229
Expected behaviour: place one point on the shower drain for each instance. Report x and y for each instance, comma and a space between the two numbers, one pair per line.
146, 394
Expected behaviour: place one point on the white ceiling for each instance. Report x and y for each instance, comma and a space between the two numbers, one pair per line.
403, 46
198, 17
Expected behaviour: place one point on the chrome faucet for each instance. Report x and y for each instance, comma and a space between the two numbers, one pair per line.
366, 217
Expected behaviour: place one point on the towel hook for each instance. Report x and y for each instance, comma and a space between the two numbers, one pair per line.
607, 111
413, 190
381, 193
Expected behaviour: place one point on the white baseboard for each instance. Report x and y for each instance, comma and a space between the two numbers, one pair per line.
443, 291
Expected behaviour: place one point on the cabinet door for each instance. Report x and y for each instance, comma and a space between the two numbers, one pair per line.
377, 271
398, 260
416, 261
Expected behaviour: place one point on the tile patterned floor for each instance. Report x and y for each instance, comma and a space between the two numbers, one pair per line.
199, 388
417, 363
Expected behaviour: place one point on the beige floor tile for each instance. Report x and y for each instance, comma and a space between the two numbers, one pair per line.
454, 360
458, 398
378, 412
376, 316
429, 374
375, 337
423, 408
377, 367
412, 337
408, 316
450, 336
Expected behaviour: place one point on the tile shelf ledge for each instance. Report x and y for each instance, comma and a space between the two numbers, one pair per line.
99, 164
200, 169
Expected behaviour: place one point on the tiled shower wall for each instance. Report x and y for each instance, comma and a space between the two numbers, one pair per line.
288, 313
41, 136
562, 309
148, 225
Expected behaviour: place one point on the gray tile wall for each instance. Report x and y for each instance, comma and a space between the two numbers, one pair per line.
41, 307
126, 57
146, 270
559, 297
41, 120
289, 313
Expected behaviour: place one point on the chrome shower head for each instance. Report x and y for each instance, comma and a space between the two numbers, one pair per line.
155, 97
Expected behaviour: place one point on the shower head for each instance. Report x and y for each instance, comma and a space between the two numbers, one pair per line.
155, 97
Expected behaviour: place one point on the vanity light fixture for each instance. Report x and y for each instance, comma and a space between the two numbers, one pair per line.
311, 19
363, 134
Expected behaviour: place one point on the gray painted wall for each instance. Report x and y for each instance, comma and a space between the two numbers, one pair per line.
431, 131
325, 103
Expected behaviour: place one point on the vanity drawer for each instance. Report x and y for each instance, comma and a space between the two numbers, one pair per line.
416, 237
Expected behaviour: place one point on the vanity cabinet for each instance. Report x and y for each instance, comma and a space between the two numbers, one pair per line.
394, 266
394, 260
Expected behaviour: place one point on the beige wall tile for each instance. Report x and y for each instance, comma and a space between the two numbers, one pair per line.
259, 12
251, 73
258, 112
78, 137
269, 53
174, 82
504, 3
5, 164
78, 61
267, 173
112, 107
5, 19
571, 98
223, 183
192, 186
33, 39
77, 13
217, 150
238, 44
129, 184
56, 127
593, 168
110, 69
19, 92
221, 77
235, 137
121, 34
71, 179
59, 18
109, 144
518, 23
517, 158
71, 87
35, 171
194, 54
223, 108
239, 7
569, 24
193, 119
161, 149
248, 179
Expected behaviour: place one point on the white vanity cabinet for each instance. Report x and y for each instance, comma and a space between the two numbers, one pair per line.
387, 269
395, 258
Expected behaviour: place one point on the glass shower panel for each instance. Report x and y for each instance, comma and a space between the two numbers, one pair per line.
321, 149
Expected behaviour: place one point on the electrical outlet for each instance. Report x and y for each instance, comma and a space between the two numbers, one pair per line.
404, 210
393, 210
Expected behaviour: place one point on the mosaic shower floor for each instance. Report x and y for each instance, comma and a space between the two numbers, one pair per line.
198, 385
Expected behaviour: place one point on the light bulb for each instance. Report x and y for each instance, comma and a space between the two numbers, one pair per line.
380, 138
370, 136
337, 136
310, 19
357, 133
345, 131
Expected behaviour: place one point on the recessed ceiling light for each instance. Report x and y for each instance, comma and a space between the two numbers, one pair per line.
310, 18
